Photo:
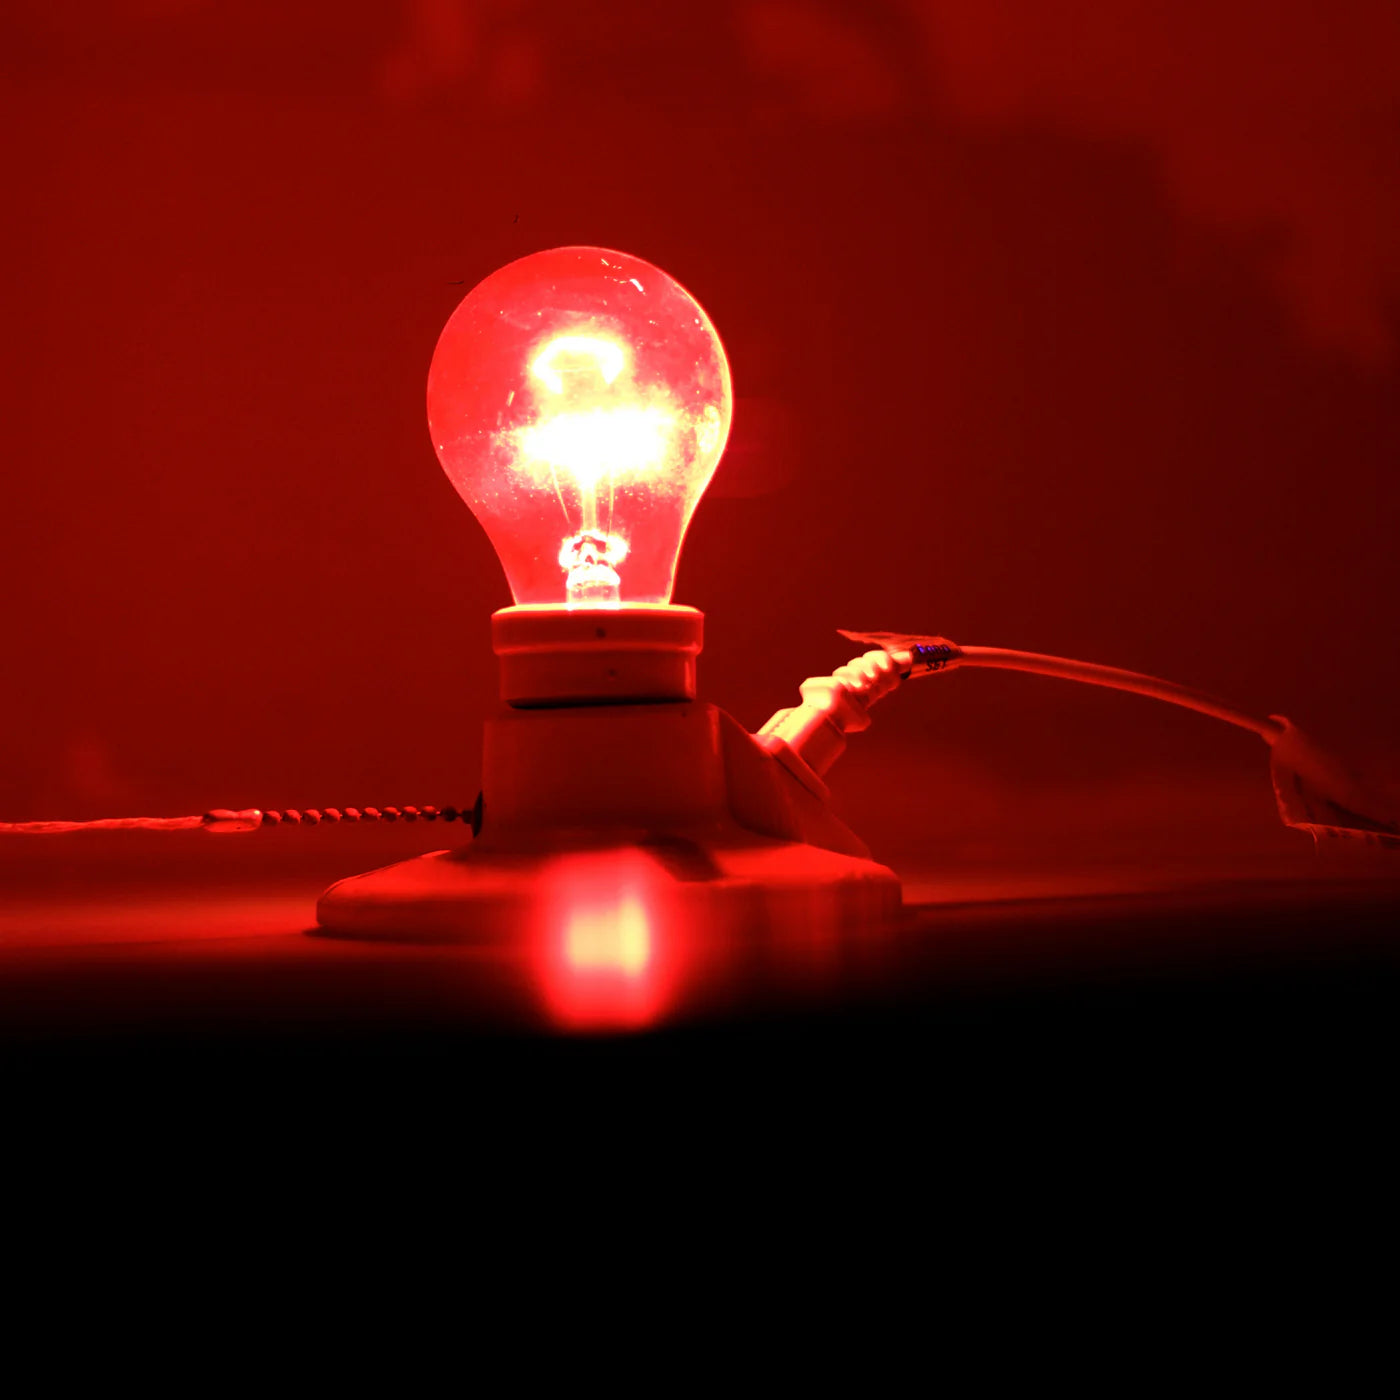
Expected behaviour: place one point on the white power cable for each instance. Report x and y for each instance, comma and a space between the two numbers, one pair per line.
810, 737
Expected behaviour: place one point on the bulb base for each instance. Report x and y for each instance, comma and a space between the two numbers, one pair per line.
590, 811
635, 654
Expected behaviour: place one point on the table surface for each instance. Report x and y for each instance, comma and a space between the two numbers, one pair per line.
1028, 1030
129, 936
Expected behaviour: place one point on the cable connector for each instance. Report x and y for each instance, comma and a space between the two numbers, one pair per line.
810, 737
914, 655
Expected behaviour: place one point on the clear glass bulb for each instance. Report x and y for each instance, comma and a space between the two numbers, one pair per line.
579, 400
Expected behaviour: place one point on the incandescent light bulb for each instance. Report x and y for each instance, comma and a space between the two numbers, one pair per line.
579, 400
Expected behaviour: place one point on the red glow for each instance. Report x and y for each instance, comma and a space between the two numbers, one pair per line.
614, 937
606, 926
579, 400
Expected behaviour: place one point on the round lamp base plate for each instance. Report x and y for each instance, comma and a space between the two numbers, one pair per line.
483, 895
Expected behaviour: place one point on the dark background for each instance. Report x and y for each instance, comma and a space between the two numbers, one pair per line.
1068, 327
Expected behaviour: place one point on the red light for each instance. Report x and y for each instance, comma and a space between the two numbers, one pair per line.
610, 937
607, 954
579, 400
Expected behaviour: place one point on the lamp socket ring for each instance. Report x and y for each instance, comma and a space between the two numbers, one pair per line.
639, 653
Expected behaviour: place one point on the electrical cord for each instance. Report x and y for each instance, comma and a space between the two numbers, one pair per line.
930, 655
224, 820
839, 702
1314, 792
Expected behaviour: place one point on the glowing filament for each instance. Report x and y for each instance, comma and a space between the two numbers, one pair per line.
588, 445
597, 430
606, 355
